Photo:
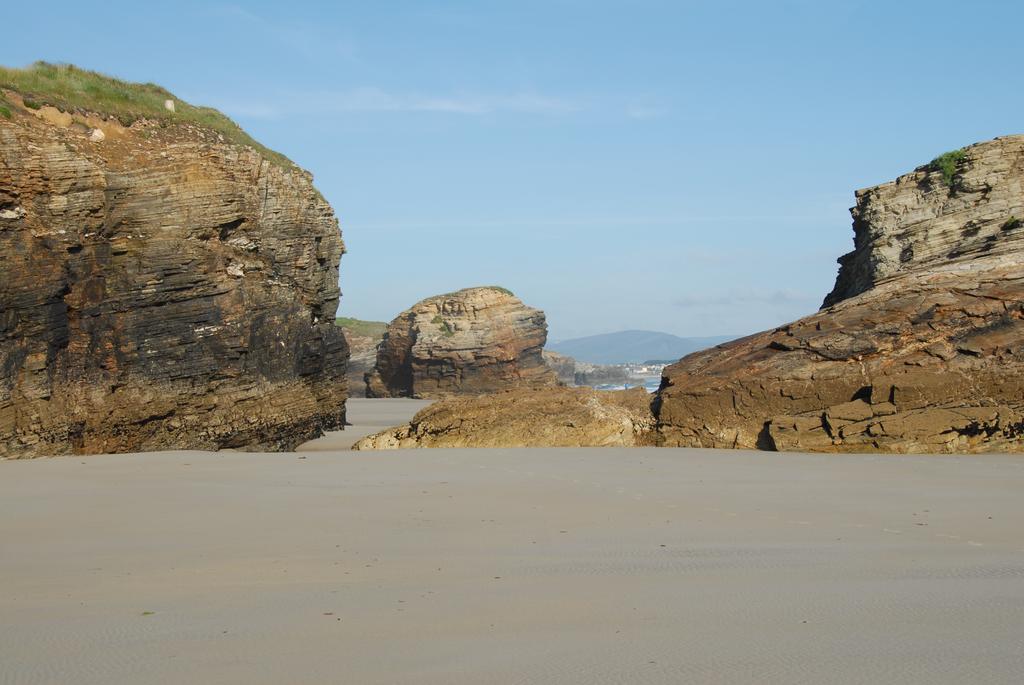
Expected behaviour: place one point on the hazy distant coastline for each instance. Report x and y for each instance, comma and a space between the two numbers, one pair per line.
633, 347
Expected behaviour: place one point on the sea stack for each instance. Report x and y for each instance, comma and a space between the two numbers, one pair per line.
470, 342
919, 347
162, 286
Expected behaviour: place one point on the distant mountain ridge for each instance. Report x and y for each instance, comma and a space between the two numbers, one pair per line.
633, 346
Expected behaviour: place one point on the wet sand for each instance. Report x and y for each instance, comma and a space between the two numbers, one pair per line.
511, 566
366, 417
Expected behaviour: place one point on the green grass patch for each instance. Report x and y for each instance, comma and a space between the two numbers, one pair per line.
71, 89
1011, 223
5, 112
445, 327
947, 164
482, 287
370, 329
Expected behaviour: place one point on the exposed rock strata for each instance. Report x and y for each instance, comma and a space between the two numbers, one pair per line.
923, 352
919, 221
544, 417
160, 289
603, 374
473, 341
573, 372
931, 362
360, 363
362, 356
563, 365
922, 348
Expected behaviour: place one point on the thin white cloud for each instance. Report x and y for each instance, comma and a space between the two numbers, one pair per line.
744, 299
305, 39
619, 222
378, 100
252, 110
318, 42
645, 112
370, 99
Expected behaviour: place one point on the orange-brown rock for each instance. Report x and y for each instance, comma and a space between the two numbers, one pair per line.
470, 342
161, 288
535, 417
920, 347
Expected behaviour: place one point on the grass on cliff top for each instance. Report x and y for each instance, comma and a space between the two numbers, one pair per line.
69, 88
369, 329
482, 287
947, 163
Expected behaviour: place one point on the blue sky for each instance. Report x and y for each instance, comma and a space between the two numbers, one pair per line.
676, 166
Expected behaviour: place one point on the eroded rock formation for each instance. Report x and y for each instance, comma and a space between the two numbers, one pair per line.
574, 372
920, 346
925, 219
563, 365
160, 288
535, 417
362, 345
473, 341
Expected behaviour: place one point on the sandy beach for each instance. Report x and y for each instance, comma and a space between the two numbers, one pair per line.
510, 566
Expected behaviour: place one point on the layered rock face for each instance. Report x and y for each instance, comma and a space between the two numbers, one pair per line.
574, 372
536, 417
563, 365
473, 341
920, 347
161, 289
362, 357
921, 220
360, 362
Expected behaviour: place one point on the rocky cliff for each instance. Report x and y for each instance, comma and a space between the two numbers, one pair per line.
562, 365
161, 287
362, 338
527, 417
473, 341
920, 346
963, 205
572, 372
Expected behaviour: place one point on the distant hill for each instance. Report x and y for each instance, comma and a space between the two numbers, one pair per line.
633, 346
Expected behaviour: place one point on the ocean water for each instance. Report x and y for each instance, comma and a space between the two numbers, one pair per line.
650, 384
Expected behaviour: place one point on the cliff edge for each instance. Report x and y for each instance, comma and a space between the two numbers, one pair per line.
164, 285
920, 345
962, 205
